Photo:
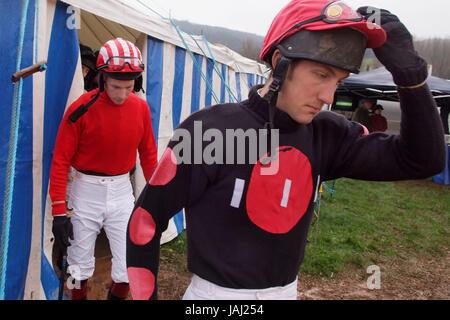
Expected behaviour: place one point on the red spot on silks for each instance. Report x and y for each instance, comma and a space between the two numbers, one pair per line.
166, 169
142, 227
276, 202
366, 131
142, 283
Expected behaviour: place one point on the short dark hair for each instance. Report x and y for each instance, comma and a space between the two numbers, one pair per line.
378, 106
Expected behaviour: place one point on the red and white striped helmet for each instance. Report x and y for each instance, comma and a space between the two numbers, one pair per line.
118, 56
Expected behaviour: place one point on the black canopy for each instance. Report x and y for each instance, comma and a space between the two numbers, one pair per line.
378, 84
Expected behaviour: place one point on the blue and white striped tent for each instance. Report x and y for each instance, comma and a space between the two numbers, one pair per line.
183, 74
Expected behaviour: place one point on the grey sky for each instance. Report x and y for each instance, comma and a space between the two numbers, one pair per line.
424, 18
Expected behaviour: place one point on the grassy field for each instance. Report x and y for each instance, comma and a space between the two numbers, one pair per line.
364, 223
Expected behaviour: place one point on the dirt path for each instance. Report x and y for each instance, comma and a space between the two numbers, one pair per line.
404, 279
407, 279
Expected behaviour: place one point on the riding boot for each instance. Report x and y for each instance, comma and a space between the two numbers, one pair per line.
79, 293
118, 291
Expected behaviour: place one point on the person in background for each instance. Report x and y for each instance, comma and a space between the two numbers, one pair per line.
88, 64
362, 113
445, 112
378, 122
99, 137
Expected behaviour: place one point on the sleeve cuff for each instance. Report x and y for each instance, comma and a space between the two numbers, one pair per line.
408, 77
58, 209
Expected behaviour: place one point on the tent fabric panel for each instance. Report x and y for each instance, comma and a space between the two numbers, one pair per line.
216, 85
232, 83
57, 88
50, 282
33, 281
155, 50
238, 85
171, 87
177, 104
209, 78
180, 221
258, 80
251, 80
231, 96
61, 67
196, 80
18, 246
223, 91
187, 88
166, 116
178, 82
203, 86
245, 86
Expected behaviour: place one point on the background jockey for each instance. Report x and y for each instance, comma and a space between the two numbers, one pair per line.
99, 137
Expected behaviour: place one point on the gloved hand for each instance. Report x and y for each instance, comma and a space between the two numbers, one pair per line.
62, 230
398, 54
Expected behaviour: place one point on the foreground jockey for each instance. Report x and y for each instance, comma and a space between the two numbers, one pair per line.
99, 136
247, 220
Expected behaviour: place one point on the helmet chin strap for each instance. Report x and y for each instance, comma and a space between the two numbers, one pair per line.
82, 109
279, 74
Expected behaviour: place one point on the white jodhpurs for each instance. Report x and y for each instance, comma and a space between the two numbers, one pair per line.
99, 202
201, 289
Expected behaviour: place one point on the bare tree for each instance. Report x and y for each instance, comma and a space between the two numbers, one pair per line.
436, 51
250, 49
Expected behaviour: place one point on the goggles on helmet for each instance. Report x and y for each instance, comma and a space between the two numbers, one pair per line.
116, 63
333, 12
